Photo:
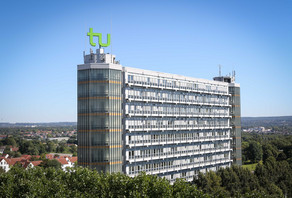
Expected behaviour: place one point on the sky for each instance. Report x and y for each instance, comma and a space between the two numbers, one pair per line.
43, 41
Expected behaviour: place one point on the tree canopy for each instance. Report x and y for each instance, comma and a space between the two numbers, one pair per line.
82, 182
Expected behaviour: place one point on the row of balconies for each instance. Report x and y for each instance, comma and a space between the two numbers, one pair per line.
164, 155
174, 114
175, 97
171, 168
173, 128
172, 101
190, 178
176, 88
134, 143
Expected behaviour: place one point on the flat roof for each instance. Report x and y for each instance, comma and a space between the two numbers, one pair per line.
174, 76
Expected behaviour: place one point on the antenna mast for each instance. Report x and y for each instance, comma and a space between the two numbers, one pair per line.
219, 70
111, 44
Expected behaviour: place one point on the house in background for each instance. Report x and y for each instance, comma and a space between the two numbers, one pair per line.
25, 161
4, 164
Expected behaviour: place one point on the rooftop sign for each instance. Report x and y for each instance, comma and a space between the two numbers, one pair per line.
91, 35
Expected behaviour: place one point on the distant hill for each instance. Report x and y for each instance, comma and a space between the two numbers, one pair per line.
45, 124
266, 121
267, 118
245, 121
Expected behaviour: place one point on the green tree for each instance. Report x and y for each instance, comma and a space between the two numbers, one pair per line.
254, 152
1, 170
150, 186
247, 180
281, 156
40, 147
10, 141
210, 183
183, 189
230, 180
25, 146
32, 150
73, 149
273, 173
51, 163
288, 150
17, 154
51, 147
269, 151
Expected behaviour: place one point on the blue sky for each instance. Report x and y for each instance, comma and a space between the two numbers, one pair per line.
42, 42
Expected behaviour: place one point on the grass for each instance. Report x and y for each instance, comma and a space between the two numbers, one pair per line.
250, 167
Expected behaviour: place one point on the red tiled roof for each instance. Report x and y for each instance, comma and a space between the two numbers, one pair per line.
62, 161
62, 156
13, 161
36, 156
36, 163
49, 156
26, 156
73, 159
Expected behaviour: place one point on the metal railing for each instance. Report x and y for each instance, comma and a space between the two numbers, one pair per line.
167, 168
175, 140
164, 155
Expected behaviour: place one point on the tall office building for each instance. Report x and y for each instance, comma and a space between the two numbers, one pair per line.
132, 120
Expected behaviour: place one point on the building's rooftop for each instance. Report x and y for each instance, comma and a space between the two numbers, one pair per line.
100, 60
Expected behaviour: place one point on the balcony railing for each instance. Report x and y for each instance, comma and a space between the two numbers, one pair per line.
148, 142
174, 114
177, 101
174, 127
163, 169
171, 154
172, 87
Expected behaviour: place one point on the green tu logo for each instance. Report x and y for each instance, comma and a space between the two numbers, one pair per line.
91, 35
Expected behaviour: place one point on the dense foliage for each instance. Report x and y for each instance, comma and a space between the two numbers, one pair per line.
20, 129
82, 182
257, 147
270, 178
36, 147
272, 155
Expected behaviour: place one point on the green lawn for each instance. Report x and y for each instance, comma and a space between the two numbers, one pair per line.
250, 167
